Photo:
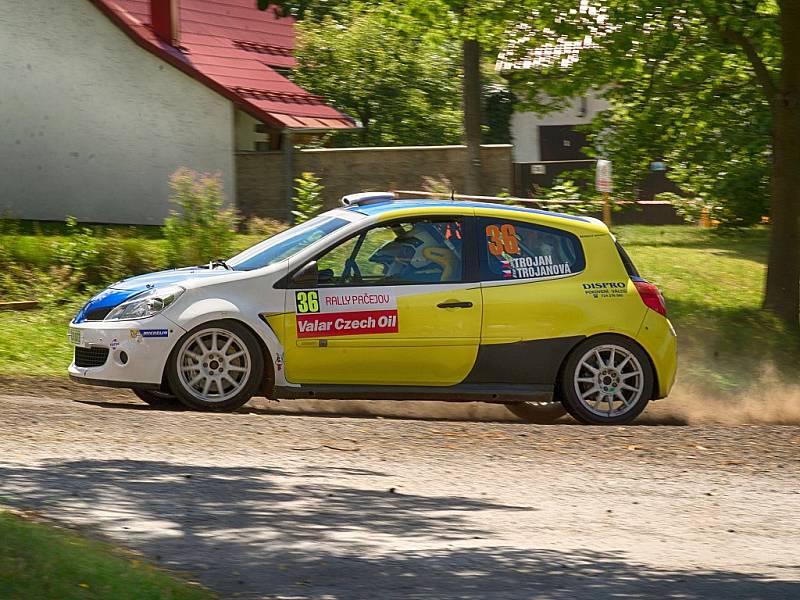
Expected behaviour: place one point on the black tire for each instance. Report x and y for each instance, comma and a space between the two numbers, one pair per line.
537, 413
250, 383
156, 398
643, 379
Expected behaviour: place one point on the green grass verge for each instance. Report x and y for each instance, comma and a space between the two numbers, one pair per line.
43, 563
713, 282
34, 342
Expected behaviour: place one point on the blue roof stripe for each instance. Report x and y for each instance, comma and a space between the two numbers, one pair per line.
383, 207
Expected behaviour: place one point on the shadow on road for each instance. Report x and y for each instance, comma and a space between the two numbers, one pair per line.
338, 533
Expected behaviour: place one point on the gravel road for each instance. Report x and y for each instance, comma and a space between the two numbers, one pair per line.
257, 505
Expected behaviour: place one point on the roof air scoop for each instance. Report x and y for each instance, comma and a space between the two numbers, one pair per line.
366, 198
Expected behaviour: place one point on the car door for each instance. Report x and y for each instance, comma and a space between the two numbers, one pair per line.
392, 305
534, 304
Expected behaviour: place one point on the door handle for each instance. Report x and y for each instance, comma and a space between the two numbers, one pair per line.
454, 304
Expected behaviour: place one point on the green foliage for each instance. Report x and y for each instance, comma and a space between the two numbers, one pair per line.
566, 196
308, 197
682, 88
79, 250
437, 185
203, 229
691, 209
374, 63
263, 228
498, 106
40, 561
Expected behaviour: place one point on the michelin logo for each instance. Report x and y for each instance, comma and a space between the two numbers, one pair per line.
149, 333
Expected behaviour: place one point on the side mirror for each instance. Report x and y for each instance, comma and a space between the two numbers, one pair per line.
307, 276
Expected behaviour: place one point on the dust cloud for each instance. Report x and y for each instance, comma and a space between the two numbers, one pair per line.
767, 401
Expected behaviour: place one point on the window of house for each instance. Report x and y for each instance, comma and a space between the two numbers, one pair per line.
398, 253
513, 250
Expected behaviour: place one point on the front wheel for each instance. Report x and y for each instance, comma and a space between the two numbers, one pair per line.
607, 380
217, 366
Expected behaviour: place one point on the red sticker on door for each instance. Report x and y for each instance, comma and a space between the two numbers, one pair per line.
322, 313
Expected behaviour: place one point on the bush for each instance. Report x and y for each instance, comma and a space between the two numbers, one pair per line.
691, 209
567, 196
79, 252
263, 227
437, 185
308, 197
203, 230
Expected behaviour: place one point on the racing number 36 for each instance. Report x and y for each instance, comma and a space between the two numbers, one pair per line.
307, 302
502, 239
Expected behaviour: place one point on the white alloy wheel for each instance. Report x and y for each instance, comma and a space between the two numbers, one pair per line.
214, 365
609, 381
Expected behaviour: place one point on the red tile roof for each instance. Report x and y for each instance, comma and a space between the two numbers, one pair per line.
232, 47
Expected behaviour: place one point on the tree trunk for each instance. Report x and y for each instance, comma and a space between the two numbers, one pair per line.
782, 294
471, 51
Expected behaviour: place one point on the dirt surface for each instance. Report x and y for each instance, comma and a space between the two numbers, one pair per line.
259, 505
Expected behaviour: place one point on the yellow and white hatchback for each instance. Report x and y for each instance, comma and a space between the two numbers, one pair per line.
394, 299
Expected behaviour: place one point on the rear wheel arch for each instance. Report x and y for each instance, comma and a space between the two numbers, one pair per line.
558, 388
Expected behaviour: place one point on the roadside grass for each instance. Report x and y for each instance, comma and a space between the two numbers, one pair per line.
34, 342
713, 282
43, 562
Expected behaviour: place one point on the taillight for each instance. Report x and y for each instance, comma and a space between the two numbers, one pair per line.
651, 296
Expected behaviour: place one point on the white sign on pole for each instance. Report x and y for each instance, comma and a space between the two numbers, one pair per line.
538, 169
602, 180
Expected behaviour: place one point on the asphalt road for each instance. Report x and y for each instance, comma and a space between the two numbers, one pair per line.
259, 505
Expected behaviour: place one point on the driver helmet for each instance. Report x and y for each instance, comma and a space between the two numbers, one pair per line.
406, 250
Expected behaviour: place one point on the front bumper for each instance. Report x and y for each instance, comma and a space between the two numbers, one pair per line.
137, 351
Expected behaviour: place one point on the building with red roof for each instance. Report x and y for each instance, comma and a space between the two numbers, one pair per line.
103, 99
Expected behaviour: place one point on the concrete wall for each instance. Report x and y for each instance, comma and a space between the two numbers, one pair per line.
347, 170
260, 184
92, 125
525, 125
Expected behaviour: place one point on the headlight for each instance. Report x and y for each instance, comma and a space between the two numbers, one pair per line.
146, 304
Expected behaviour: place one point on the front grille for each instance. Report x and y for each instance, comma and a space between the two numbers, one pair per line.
98, 314
90, 357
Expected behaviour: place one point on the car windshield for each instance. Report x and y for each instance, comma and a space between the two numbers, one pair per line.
286, 244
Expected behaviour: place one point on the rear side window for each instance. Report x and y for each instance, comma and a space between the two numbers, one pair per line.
513, 250
633, 273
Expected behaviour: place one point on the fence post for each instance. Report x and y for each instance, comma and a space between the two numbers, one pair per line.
607, 209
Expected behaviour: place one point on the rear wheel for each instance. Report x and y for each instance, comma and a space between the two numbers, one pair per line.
607, 380
217, 366
156, 398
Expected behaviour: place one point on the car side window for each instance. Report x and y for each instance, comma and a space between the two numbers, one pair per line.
398, 253
514, 250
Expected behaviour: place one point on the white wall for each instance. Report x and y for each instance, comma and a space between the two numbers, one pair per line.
525, 125
92, 125
246, 135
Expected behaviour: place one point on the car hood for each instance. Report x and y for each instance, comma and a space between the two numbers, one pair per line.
100, 305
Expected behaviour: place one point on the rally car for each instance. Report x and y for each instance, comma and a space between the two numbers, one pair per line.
388, 298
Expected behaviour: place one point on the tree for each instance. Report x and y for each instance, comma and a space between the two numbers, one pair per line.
714, 86
401, 87
477, 24
481, 26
